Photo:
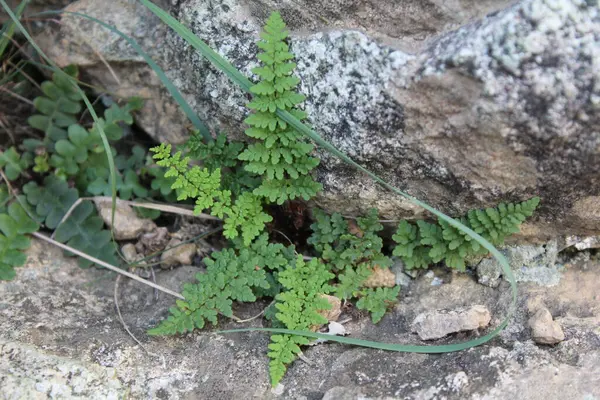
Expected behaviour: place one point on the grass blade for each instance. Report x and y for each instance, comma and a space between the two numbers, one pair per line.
7, 34
187, 109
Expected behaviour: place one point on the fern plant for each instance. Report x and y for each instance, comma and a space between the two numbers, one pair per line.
232, 182
425, 243
223, 154
243, 215
353, 252
231, 275
298, 308
282, 155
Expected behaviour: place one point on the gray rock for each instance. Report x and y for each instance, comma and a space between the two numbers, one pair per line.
129, 252
502, 108
30, 373
583, 243
529, 264
343, 393
544, 330
437, 324
60, 332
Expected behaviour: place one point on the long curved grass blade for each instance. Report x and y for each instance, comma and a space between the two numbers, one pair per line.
7, 33
187, 109
211, 55
105, 144
238, 78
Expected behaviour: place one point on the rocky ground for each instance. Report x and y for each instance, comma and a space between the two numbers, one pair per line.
61, 338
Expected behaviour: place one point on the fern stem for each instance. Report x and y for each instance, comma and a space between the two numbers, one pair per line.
106, 265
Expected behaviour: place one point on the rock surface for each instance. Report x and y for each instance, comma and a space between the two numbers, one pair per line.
544, 330
437, 324
529, 263
180, 254
503, 108
127, 223
60, 335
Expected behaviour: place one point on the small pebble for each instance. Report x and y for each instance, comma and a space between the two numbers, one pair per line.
544, 330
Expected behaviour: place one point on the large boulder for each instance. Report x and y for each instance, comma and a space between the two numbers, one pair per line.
503, 107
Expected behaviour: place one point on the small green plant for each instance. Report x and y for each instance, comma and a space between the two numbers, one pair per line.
69, 162
353, 252
223, 154
82, 230
282, 156
15, 224
243, 215
298, 308
425, 243
59, 108
235, 274
13, 164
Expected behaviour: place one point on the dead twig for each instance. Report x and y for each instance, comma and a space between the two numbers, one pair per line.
17, 96
154, 206
106, 265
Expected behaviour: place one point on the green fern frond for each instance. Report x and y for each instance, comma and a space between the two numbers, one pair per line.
298, 308
242, 215
424, 244
377, 301
283, 157
230, 276
353, 250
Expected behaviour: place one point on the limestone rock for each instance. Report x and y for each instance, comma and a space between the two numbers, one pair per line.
183, 254
381, 277
127, 223
583, 243
129, 252
29, 373
544, 330
437, 324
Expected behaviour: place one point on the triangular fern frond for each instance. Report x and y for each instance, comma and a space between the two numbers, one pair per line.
283, 156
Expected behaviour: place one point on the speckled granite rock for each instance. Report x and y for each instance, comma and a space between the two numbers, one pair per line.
504, 107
